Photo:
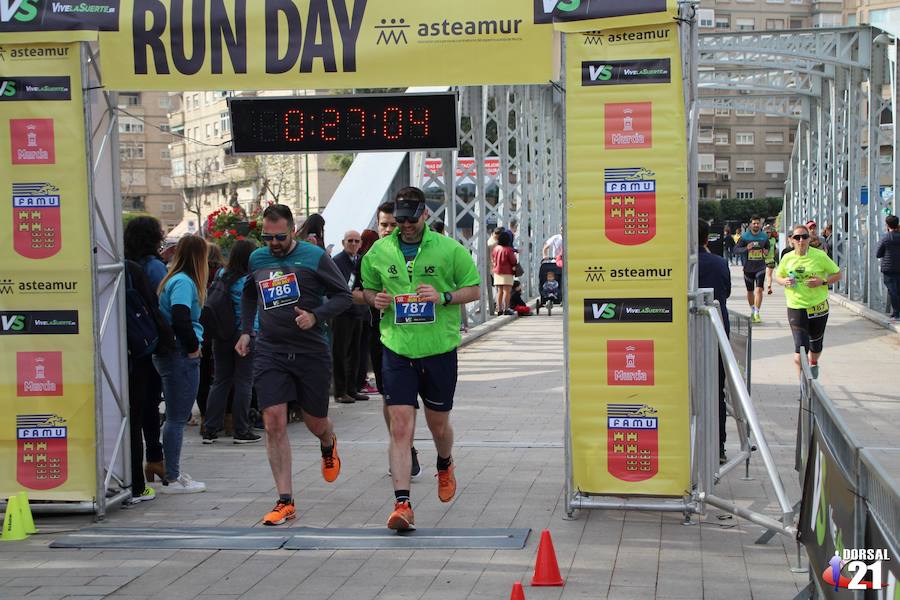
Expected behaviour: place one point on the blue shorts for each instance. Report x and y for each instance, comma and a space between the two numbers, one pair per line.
432, 377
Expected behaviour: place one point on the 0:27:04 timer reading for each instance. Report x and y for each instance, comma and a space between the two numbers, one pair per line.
330, 125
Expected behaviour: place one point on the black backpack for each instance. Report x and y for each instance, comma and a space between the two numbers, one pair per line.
140, 323
217, 316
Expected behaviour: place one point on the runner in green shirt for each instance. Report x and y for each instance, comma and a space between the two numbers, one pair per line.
416, 277
806, 274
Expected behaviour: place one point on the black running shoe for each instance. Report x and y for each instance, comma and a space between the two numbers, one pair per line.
246, 438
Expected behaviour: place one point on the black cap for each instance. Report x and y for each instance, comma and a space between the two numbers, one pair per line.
409, 207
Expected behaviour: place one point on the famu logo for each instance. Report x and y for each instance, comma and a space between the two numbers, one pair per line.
23, 11
629, 205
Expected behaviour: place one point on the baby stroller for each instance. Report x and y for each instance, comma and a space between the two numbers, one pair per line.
548, 265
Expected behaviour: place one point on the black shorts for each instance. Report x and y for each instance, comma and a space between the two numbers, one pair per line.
432, 377
303, 378
808, 327
755, 279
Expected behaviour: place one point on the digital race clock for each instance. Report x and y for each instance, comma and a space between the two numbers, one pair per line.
343, 123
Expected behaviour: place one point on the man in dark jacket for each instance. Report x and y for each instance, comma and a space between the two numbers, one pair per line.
347, 326
714, 273
889, 253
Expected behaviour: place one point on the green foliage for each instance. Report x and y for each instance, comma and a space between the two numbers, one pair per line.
708, 210
341, 162
127, 216
741, 209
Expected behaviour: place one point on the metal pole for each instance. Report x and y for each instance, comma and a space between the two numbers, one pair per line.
570, 485
746, 402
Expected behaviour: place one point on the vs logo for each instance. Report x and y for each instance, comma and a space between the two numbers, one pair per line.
8, 88
10, 322
429, 270
23, 11
561, 5
600, 72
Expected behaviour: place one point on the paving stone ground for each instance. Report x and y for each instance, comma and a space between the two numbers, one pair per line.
509, 423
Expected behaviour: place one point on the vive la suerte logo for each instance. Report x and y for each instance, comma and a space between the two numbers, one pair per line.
623, 72
628, 310
34, 87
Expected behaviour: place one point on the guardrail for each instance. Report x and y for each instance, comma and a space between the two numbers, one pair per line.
849, 500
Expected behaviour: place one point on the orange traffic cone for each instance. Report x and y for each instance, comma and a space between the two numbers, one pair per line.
517, 592
546, 570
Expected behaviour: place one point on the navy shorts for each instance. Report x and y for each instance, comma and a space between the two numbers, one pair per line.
432, 377
755, 279
303, 378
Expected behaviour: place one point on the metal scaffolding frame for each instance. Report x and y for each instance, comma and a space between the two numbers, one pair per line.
522, 127
841, 86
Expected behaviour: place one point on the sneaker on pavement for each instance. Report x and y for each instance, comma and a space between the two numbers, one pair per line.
369, 389
331, 464
344, 399
148, 494
446, 484
359, 397
246, 438
183, 485
402, 519
415, 471
283, 511
209, 438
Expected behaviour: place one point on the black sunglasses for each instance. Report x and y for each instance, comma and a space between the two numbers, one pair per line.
406, 219
268, 237
800, 236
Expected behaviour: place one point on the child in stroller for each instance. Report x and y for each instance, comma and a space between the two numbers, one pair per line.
550, 282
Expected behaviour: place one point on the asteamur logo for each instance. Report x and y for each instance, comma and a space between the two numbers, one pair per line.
394, 31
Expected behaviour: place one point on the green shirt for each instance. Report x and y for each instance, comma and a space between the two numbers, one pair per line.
802, 268
442, 263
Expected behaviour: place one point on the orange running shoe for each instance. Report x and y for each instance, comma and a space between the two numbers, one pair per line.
283, 511
402, 518
331, 465
446, 484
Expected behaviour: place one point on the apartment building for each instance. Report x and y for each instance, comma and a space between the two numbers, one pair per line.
745, 154
880, 13
144, 159
209, 176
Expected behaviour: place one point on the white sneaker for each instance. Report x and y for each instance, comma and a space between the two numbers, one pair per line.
183, 485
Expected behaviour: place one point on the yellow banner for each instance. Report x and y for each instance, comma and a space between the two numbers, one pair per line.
290, 44
626, 260
47, 434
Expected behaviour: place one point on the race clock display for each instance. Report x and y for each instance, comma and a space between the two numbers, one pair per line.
356, 123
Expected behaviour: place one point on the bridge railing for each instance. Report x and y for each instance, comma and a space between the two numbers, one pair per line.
849, 498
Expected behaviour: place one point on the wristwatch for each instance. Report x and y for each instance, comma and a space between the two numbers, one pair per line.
448, 298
